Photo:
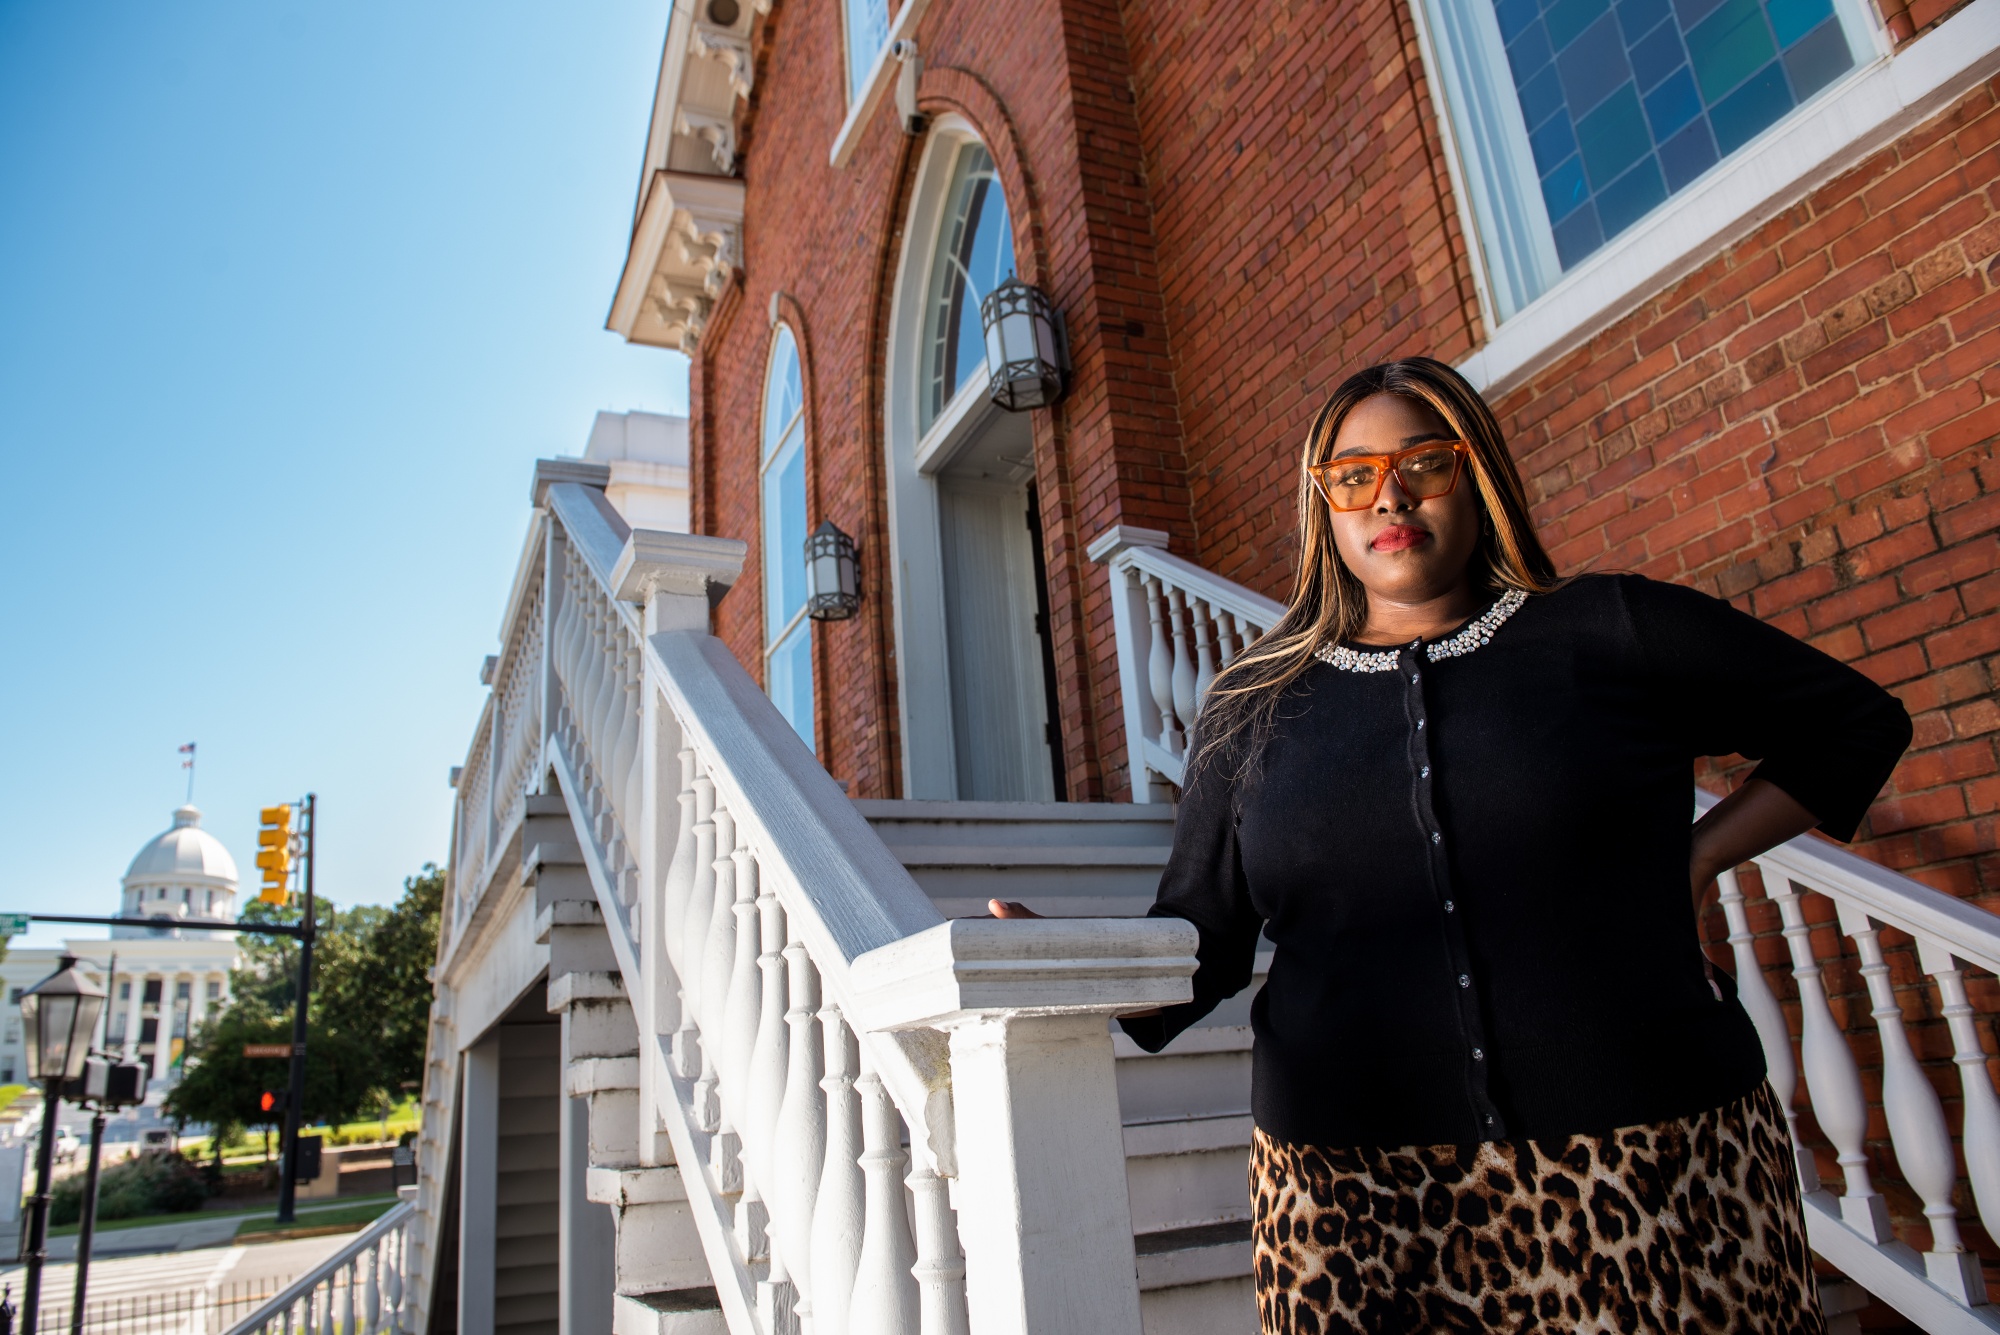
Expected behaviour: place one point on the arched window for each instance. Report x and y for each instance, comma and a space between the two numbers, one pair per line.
787, 632
975, 252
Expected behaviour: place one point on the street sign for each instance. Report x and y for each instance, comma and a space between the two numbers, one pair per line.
267, 1049
13, 924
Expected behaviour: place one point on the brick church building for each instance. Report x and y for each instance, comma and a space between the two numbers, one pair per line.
1728, 271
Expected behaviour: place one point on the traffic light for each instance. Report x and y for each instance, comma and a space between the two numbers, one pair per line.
274, 852
272, 1104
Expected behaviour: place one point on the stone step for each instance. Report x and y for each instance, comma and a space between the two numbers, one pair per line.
673, 1312
1197, 1281
1188, 1172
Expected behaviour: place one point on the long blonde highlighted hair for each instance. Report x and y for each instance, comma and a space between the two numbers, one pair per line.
1328, 603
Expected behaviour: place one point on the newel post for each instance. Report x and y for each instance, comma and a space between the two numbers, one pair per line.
1041, 1196
1131, 627
675, 578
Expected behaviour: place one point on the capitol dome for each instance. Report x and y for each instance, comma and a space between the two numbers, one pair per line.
184, 872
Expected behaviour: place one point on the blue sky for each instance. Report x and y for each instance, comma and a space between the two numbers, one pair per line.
291, 297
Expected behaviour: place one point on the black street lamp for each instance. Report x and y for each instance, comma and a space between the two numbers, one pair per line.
58, 1015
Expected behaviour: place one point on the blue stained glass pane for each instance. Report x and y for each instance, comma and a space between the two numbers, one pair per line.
1578, 235
1613, 137
1793, 19
1630, 197
1514, 15
1568, 18
1564, 189
1639, 17
1745, 113
789, 680
1728, 47
1541, 96
1527, 53
1657, 56
1672, 105
1687, 155
1552, 143
1820, 57
1627, 101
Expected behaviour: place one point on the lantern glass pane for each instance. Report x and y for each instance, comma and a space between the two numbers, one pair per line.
974, 254
58, 1020
31, 1029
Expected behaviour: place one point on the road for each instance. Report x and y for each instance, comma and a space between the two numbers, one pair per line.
200, 1292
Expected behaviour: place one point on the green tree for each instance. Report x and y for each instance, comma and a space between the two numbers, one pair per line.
365, 1026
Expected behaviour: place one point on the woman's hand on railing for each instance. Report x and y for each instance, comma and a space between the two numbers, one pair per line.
1007, 908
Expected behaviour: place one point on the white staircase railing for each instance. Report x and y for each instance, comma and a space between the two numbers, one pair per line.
1176, 627
1157, 596
359, 1290
815, 1042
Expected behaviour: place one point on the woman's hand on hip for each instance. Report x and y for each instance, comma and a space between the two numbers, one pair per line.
1756, 817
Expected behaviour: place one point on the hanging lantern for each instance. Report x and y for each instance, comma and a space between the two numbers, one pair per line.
59, 1015
1027, 354
832, 580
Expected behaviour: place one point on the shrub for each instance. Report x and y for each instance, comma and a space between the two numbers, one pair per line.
149, 1184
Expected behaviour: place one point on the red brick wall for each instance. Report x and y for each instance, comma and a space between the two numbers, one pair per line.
1807, 427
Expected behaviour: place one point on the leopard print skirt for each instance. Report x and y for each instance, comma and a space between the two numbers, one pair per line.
1690, 1226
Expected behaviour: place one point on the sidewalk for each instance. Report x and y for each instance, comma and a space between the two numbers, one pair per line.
185, 1233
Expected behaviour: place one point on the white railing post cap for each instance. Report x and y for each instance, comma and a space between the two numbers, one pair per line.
981, 968
1119, 537
548, 472
653, 561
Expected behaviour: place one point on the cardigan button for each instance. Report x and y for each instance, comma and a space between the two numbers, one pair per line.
1479, 1054
1450, 907
1425, 773
1436, 838
1465, 980
1420, 725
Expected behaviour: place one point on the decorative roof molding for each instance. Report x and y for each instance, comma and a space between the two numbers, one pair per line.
684, 252
685, 227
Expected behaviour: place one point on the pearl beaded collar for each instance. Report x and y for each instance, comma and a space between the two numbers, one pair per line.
1462, 641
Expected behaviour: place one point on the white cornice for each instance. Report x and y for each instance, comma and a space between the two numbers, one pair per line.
684, 248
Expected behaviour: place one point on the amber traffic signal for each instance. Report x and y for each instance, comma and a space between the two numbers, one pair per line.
274, 853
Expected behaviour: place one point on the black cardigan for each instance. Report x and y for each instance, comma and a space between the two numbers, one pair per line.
1475, 870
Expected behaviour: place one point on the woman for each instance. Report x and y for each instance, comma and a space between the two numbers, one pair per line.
1497, 1084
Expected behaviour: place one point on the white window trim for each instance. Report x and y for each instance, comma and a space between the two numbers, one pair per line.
881, 75
1858, 115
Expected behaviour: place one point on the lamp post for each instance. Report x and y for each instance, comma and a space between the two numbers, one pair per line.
105, 1084
58, 1016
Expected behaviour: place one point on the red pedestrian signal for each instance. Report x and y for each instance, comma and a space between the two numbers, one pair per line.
271, 1102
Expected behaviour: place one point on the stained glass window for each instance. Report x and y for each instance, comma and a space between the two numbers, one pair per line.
1627, 102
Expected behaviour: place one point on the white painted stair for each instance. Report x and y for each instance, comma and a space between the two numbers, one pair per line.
1186, 1110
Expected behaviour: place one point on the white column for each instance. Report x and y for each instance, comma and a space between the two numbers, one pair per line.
1042, 1207
589, 1240
197, 1003
132, 1019
163, 1026
478, 1187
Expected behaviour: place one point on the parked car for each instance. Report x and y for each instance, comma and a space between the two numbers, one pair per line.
160, 1138
67, 1144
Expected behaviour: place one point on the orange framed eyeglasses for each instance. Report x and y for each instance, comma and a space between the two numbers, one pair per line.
1424, 472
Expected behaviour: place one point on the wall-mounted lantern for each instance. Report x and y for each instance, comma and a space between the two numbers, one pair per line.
1027, 348
832, 578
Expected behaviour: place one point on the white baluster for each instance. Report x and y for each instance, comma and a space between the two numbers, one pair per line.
885, 1290
1225, 637
1184, 701
940, 1267
1204, 653
371, 1297
745, 992
1160, 667
1981, 1121
839, 1209
328, 1324
769, 1055
801, 1141
1754, 992
1916, 1120
392, 1284
625, 777
719, 955
1831, 1075
679, 879
694, 927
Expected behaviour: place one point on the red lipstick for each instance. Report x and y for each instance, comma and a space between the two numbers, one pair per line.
1399, 537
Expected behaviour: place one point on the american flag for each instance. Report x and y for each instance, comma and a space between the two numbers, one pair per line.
188, 751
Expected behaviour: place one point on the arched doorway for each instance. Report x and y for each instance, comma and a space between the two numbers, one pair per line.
971, 607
